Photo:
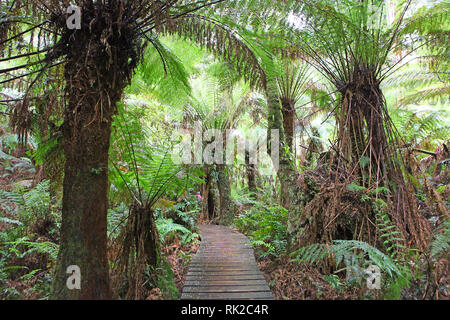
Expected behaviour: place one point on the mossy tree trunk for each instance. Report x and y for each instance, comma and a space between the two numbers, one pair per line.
208, 197
287, 173
83, 229
100, 59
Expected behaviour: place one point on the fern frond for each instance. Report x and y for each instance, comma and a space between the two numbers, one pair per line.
222, 41
440, 93
441, 242
342, 248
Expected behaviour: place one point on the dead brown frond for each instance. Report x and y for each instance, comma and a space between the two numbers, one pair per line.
136, 249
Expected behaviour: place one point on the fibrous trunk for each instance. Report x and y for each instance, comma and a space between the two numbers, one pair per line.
362, 138
100, 58
365, 158
139, 249
251, 172
288, 111
287, 172
226, 205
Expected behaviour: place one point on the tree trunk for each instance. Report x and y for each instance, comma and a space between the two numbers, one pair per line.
226, 206
84, 212
211, 203
100, 59
208, 197
251, 172
288, 111
287, 173
362, 132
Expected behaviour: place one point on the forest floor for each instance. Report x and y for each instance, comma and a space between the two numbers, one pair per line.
29, 275
289, 281
29, 272
180, 262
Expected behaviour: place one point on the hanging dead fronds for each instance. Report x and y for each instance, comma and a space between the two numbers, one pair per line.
350, 45
21, 121
137, 250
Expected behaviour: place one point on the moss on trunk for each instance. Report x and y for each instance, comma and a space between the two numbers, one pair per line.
100, 59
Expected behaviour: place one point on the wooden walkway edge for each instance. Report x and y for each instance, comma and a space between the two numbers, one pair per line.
224, 267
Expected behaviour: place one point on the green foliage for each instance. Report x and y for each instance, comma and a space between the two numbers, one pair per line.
16, 246
45, 247
354, 187
216, 103
334, 281
47, 150
167, 228
146, 171
346, 251
116, 217
165, 280
33, 205
441, 243
243, 197
167, 81
266, 227
185, 212
391, 237
8, 142
422, 128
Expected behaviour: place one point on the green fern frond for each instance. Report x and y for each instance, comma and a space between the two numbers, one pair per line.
167, 226
223, 41
441, 242
13, 197
440, 93
342, 248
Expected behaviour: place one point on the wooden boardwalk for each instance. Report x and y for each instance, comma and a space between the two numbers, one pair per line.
224, 267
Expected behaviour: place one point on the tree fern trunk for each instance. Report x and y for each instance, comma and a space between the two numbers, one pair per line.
251, 175
84, 211
288, 111
287, 173
100, 58
226, 206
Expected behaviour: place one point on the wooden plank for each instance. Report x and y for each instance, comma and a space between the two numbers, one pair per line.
227, 295
218, 272
224, 268
222, 282
231, 277
224, 289
225, 257
225, 265
231, 260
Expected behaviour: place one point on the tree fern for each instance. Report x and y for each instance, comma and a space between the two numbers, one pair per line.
422, 127
147, 172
